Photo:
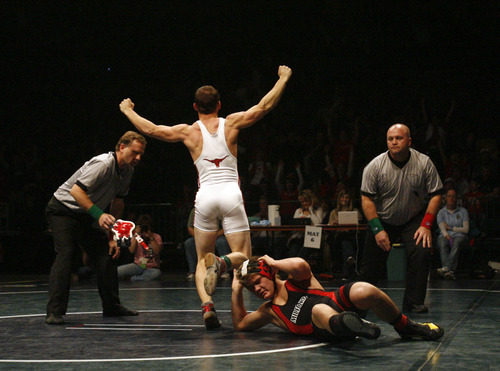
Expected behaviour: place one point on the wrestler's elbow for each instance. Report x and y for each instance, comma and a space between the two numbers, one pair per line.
302, 265
302, 270
239, 325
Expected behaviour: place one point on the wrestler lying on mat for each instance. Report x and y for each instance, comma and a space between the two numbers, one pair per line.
301, 305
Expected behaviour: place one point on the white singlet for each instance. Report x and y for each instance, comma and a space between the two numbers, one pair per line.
219, 196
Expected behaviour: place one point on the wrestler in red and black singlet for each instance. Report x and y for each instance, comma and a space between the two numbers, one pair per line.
297, 312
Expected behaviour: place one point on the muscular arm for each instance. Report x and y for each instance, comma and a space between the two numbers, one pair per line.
177, 133
245, 119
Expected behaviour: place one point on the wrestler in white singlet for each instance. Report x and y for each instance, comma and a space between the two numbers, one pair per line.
219, 196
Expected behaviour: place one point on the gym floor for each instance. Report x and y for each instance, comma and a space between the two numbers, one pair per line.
169, 334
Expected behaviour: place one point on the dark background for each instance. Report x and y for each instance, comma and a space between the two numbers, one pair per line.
66, 66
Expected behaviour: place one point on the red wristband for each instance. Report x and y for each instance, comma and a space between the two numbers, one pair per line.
428, 221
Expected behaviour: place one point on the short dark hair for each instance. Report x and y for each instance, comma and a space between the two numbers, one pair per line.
206, 99
128, 138
451, 189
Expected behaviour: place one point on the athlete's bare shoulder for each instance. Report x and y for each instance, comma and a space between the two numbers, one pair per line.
185, 130
193, 139
233, 119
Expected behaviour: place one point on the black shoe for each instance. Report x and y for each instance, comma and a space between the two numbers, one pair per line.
424, 331
120, 312
415, 308
354, 325
54, 319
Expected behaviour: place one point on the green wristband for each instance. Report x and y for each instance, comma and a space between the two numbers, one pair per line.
95, 212
376, 225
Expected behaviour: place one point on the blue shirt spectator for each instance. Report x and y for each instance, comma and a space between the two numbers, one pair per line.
453, 224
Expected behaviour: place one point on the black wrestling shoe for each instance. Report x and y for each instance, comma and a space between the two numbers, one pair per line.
54, 319
120, 312
210, 318
354, 325
424, 331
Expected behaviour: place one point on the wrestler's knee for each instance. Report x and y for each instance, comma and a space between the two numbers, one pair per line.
237, 258
362, 294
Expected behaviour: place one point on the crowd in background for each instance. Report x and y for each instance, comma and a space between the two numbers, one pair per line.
324, 152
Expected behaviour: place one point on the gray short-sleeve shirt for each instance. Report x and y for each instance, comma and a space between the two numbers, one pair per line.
100, 178
400, 193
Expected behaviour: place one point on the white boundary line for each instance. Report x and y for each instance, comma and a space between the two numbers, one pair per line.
133, 325
312, 346
99, 312
127, 329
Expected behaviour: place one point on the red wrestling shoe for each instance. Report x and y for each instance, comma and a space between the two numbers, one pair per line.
210, 316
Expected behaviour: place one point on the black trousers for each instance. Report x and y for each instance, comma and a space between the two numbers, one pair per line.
70, 231
373, 266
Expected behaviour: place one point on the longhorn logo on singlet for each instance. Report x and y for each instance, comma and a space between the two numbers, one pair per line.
217, 161
298, 307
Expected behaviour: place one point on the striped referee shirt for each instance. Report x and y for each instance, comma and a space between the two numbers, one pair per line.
400, 191
101, 179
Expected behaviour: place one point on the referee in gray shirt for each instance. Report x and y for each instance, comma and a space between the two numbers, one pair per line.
76, 218
400, 195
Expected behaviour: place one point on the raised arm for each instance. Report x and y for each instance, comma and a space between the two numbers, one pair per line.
241, 120
177, 133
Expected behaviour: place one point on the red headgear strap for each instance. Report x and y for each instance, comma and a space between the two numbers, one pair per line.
265, 270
